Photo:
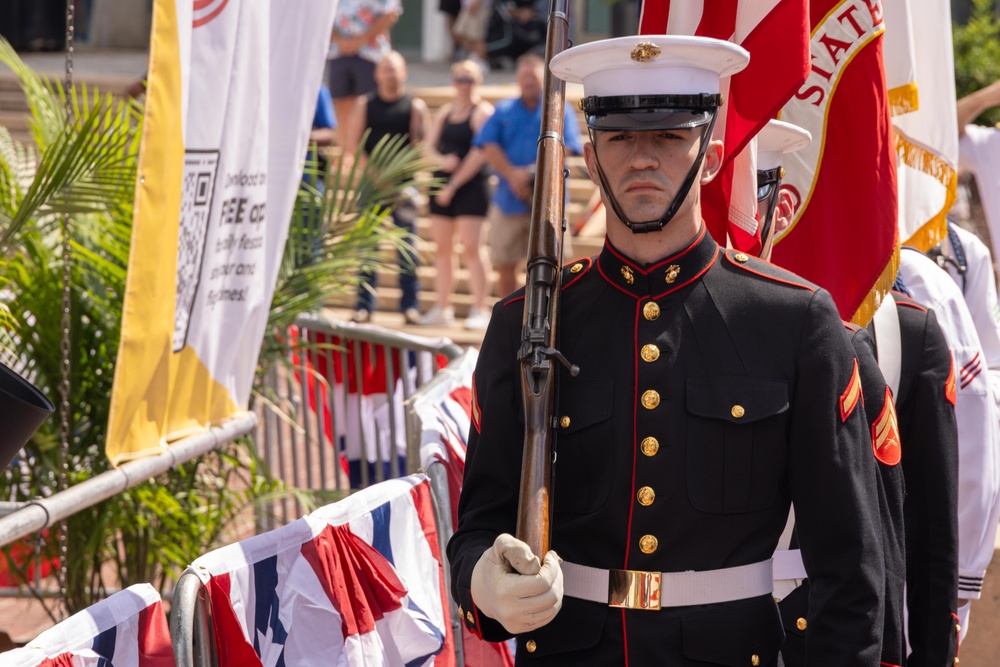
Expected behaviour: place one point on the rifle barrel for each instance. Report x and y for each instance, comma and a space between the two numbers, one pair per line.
538, 372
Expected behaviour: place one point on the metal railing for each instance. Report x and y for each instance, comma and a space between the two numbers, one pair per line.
38, 514
311, 420
190, 619
21, 519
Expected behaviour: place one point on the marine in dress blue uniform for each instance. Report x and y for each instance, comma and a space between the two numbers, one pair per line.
709, 398
775, 211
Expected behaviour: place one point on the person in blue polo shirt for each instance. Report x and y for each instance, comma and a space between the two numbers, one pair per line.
510, 141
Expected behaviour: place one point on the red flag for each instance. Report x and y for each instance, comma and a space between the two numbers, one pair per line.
844, 236
776, 33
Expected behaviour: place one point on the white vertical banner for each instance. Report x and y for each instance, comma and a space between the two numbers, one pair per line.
899, 57
924, 120
232, 92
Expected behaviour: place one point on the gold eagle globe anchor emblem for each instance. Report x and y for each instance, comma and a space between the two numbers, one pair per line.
645, 51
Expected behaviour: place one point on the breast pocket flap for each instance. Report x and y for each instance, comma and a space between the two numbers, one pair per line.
583, 405
739, 400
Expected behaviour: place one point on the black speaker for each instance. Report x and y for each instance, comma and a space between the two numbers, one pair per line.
22, 410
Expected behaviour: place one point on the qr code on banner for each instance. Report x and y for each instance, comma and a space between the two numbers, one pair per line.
197, 190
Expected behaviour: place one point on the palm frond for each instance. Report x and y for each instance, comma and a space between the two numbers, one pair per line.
17, 167
91, 164
341, 229
47, 113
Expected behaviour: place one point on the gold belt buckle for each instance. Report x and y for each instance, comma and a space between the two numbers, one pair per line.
634, 589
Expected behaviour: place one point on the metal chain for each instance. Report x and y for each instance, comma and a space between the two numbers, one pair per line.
64, 389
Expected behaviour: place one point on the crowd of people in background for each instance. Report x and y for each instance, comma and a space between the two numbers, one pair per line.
467, 139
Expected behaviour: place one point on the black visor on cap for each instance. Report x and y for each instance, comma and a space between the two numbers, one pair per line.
649, 112
652, 119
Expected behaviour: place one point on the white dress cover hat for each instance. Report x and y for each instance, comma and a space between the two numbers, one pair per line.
647, 82
776, 139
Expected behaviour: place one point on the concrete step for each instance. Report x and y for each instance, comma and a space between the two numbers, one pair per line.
18, 124
573, 212
580, 193
437, 96
13, 100
15, 120
389, 297
582, 246
426, 272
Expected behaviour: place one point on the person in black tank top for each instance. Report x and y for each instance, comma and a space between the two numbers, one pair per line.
390, 110
464, 200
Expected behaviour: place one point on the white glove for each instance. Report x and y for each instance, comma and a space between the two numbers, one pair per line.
510, 586
963, 619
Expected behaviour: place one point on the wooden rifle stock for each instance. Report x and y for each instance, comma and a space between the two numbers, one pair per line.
537, 353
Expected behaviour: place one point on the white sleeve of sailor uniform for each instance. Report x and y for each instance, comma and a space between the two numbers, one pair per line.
980, 290
979, 154
972, 148
977, 417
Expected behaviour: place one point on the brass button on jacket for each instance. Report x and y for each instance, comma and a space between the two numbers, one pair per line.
649, 353
646, 496
531, 646
650, 399
755, 660
801, 623
650, 446
738, 411
650, 311
648, 544
564, 421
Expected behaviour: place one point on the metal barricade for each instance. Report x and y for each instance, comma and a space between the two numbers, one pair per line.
191, 629
440, 490
191, 624
307, 416
190, 619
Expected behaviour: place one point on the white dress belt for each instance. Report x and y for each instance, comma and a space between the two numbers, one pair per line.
789, 571
676, 589
788, 565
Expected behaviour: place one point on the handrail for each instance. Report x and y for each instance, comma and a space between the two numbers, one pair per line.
190, 624
373, 334
44, 512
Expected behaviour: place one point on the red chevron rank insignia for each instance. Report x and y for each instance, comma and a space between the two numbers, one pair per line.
885, 433
849, 399
950, 390
476, 414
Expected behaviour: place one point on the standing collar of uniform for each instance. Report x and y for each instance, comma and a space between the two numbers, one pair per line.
662, 277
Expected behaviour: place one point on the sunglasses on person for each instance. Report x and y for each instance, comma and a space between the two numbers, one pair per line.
767, 182
463, 79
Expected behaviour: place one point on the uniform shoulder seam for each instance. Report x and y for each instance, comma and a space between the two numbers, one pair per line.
766, 270
903, 299
575, 270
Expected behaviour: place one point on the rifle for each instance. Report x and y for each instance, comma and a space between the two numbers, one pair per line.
541, 310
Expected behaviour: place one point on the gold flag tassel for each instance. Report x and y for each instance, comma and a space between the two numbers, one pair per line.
866, 311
